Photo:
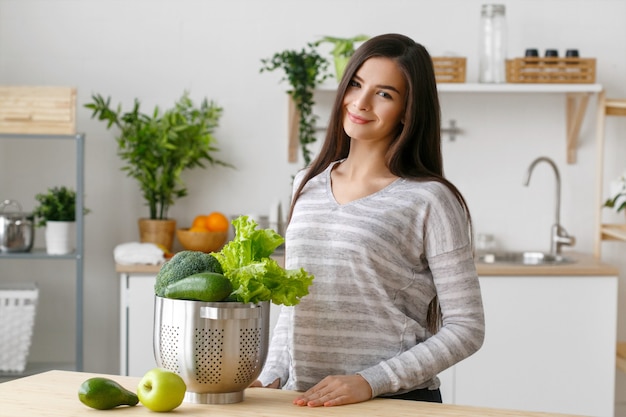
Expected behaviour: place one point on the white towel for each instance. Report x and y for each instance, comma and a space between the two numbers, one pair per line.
138, 253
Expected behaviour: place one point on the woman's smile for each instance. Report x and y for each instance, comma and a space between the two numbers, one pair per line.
357, 119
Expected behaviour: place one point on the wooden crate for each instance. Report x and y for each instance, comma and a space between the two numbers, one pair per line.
551, 70
449, 69
38, 110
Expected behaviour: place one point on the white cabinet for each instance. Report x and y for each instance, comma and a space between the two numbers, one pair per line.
136, 323
549, 346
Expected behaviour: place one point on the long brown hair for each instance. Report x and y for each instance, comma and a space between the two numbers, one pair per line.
416, 151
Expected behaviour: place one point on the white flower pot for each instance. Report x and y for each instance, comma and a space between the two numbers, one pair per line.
60, 237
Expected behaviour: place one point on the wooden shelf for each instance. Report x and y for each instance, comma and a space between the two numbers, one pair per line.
518, 88
503, 88
605, 231
577, 98
613, 232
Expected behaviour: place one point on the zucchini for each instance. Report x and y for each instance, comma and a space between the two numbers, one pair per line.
203, 286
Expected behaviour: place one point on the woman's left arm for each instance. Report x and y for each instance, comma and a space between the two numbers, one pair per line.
461, 334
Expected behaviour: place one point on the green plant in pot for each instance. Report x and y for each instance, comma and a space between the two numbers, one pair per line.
617, 201
56, 210
156, 148
343, 48
304, 71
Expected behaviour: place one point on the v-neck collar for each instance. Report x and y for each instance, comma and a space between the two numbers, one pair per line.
331, 195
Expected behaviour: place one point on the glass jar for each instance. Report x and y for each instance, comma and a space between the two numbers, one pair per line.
493, 39
485, 243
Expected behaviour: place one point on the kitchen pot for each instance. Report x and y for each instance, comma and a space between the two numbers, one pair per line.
17, 231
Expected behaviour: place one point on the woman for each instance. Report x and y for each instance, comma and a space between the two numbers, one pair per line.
386, 237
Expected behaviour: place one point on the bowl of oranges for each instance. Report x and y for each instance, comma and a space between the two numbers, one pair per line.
207, 233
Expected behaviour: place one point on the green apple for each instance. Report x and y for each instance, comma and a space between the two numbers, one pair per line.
161, 390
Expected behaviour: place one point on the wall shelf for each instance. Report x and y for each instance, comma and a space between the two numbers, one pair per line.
502, 88
613, 232
605, 231
77, 255
577, 99
519, 88
49, 113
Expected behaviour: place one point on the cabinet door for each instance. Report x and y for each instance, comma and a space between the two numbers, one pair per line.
447, 385
140, 324
549, 346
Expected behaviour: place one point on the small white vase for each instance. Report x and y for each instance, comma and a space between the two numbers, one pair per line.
60, 237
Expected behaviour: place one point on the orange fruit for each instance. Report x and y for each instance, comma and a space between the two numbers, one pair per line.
199, 222
198, 229
217, 222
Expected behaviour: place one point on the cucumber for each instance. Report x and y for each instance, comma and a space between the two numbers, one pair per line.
203, 286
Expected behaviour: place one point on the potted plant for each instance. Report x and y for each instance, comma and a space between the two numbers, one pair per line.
617, 201
304, 70
343, 48
157, 148
56, 210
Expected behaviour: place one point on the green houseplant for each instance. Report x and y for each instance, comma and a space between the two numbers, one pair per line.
617, 201
157, 148
56, 204
343, 48
56, 210
304, 70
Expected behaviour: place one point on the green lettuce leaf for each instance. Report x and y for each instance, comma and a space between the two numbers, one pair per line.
255, 276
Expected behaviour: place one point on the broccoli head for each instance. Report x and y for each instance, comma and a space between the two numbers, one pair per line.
182, 265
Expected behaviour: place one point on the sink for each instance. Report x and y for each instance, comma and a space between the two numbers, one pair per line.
523, 258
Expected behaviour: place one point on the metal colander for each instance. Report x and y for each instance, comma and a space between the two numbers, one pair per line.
218, 349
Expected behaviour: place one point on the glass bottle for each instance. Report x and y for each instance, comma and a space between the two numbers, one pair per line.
486, 243
493, 38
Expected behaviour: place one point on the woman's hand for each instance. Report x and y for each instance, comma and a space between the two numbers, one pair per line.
336, 390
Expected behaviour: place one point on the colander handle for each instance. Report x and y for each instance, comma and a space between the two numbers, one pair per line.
219, 313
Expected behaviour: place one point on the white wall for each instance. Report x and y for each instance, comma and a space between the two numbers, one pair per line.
155, 49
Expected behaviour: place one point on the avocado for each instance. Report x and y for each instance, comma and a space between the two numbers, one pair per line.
104, 394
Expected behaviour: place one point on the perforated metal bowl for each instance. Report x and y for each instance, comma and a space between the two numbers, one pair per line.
218, 349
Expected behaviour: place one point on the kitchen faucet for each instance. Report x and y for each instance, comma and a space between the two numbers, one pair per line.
559, 236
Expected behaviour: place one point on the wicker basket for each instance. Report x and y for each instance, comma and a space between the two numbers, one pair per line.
449, 69
18, 304
551, 70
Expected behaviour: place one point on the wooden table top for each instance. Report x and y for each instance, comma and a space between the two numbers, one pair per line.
55, 394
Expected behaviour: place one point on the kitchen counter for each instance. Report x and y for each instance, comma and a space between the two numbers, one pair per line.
517, 301
584, 265
55, 393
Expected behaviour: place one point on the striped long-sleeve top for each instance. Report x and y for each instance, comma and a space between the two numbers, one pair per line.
378, 262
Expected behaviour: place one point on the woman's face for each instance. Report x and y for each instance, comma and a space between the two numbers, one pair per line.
373, 104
